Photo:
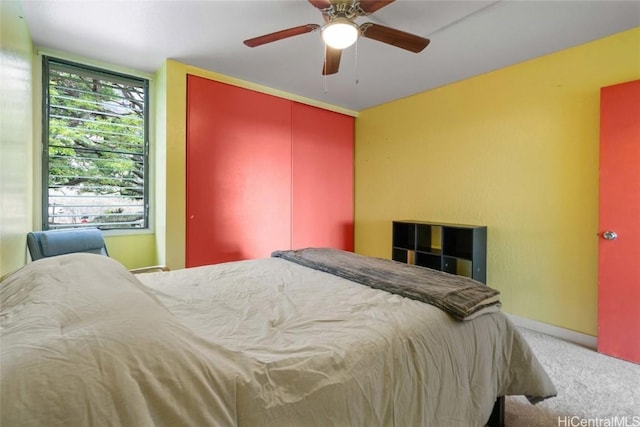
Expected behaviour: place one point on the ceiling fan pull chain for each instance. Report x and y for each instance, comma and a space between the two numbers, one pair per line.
324, 76
356, 56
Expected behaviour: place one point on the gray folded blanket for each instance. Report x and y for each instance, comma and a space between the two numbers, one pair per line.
459, 296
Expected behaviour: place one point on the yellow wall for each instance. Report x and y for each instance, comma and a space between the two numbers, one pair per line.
133, 250
160, 164
173, 138
16, 149
516, 150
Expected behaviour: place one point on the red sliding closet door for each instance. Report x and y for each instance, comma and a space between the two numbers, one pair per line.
322, 161
238, 173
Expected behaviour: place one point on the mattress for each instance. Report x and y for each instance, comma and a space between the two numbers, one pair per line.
264, 342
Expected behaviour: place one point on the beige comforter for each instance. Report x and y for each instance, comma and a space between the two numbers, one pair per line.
253, 343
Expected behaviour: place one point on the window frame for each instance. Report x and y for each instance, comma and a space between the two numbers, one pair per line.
107, 75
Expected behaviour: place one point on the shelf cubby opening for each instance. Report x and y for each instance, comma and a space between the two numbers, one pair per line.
400, 255
428, 238
428, 260
459, 266
458, 242
404, 235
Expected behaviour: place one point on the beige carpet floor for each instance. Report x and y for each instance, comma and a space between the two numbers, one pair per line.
593, 389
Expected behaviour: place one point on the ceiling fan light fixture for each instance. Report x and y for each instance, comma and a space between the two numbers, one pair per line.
340, 33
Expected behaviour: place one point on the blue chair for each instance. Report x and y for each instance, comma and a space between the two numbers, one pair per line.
43, 244
50, 243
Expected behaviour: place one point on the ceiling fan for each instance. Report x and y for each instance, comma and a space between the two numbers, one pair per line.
340, 31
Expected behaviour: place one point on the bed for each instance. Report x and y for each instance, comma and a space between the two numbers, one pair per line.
265, 342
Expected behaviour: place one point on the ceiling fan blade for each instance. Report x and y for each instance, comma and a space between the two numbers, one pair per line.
394, 37
279, 35
331, 60
320, 4
370, 6
325, 6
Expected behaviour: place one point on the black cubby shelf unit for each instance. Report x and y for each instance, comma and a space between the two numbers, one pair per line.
455, 248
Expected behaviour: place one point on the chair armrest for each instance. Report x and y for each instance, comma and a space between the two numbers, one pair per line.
149, 269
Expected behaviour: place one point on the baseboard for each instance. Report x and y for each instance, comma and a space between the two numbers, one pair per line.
555, 331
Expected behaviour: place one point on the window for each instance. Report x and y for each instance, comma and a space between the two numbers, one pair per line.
95, 148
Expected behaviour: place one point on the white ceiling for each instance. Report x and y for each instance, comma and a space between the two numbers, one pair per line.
467, 38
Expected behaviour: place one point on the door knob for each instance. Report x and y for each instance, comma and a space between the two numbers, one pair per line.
609, 235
